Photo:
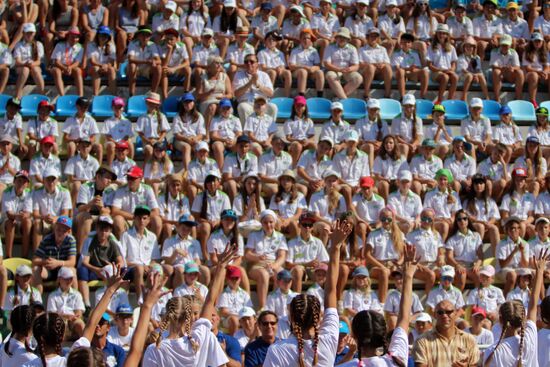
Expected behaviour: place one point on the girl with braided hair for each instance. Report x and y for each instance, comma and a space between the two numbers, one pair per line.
518, 344
370, 331
188, 343
314, 340
16, 350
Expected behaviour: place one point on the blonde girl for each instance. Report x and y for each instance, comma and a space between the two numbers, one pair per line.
442, 62
172, 204
387, 165
468, 67
158, 167
372, 130
28, 54
384, 250
407, 128
288, 203
360, 297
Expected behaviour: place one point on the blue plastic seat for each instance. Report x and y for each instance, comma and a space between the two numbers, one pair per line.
284, 107
491, 109
102, 106
354, 108
522, 110
170, 106
30, 103
4, 98
545, 104
318, 108
136, 106
455, 109
65, 106
138, 147
424, 108
389, 108
121, 73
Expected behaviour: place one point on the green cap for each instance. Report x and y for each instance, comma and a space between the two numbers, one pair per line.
494, 2
429, 143
142, 209
543, 111
438, 108
444, 172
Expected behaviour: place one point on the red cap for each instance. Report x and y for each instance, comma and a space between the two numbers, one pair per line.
519, 172
366, 181
44, 103
171, 31
135, 172
47, 140
300, 100
476, 310
123, 144
74, 31
233, 272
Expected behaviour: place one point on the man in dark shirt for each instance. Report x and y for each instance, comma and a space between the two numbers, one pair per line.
255, 351
56, 249
113, 355
229, 344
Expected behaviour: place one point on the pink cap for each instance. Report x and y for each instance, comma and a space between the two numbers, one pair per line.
300, 100
117, 101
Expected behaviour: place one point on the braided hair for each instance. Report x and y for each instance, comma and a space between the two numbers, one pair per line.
178, 315
305, 313
49, 331
21, 324
86, 357
370, 332
511, 315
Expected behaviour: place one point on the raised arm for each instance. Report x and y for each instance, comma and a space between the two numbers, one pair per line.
409, 268
340, 231
540, 266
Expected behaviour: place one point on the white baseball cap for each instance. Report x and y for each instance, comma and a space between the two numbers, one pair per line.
476, 102
423, 317
50, 172
373, 103
542, 220
23, 270
447, 271
108, 271
29, 27
171, 6
202, 145
405, 175
230, 3
246, 312
336, 106
268, 212
364, 2
351, 135
409, 99
65, 273
391, 2
487, 270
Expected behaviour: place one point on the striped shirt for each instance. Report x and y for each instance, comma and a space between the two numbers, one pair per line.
48, 248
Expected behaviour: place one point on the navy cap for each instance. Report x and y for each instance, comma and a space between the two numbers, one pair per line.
243, 139
185, 219
103, 29
284, 275
266, 6
533, 139
124, 309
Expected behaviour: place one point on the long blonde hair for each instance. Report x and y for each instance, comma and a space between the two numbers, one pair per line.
178, 315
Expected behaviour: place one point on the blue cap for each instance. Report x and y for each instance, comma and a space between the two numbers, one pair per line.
225, 102
243, 139
533, 139
344, 328
103, 29
124, 309
229, 213
188, 97
467, 145
504, 110
266, 6
186, 219
284, 275
360, 271
66, 221
106, 317
191, 267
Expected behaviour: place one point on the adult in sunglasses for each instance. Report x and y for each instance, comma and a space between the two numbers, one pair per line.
429, 247
432, 348
255, 351
251, 83
464, 249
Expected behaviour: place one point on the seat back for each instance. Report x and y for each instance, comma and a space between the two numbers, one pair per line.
65, 106
424, 108
354, 108
318, 108
389, 108
102, 106
455, 109
4, 98
522, 110
491, 109
170, 106
30, 103
136, 106
284, 107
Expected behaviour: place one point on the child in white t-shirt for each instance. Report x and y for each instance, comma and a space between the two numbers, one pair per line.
121, 333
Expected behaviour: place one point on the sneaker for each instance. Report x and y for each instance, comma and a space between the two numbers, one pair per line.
535, 104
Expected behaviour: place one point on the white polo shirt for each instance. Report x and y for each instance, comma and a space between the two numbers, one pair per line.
408, 206
122, 341
261, 126
300, 129
382, 245
430, 131
489, 298
520, 163
80, 168
368, 130
179, 55
151, 125
460, 28
9, 127
194, 23
313, 168
424, 168
519, 294
427, 243
14, 162
277, 301
16, 204
505, 248
121, 168
23, 51
517, 29
172, 208
486, 210
519, 206
39, 164
106, 55
511, 58
405, 59
335, 131
464, 246
386, 24
373, 55
139, 53
242, 78
439, 294
319, 204
542, 24
65, 303
486, 28
139, 250
238, 207
351, 169
368, 210
67, 54
234, 300
542, 204
304, 57
53, 203
271, 58
389, 168
424, 29
477, 130
236, 54
157, 170
189, 244
24, 297
359, 27
218, 241
284, 208
41, 129
325, 26
226, 127
237, 166
87, 191
127, 200
301, 251
441, 58
359, 300
272, 166
77, 128
187, 127
507, 134
294, 30
201, 53
438, 201
261, 25
197, 171
393, 301
461, 170
118, 129
268, 246
402, 126
341, 57
189, 290
216, 204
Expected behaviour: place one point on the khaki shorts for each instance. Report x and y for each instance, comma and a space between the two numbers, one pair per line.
348, 77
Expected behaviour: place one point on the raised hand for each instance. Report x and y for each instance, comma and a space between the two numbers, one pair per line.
155, 292
117, 279
410, 260
339, 232
228, 255
539, 262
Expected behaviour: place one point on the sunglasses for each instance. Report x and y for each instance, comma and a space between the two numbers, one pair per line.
460, 219
445, 312
306, 225
449, 279
427, 219
269, 323
250, 62
386, 219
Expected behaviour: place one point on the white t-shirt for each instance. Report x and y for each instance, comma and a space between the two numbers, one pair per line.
544, 353
358, 300
285, 352
484, 338
179, 352
507, 352
19, 354
489, 298
122, 341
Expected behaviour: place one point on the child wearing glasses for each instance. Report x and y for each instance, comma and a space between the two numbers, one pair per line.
446, 291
